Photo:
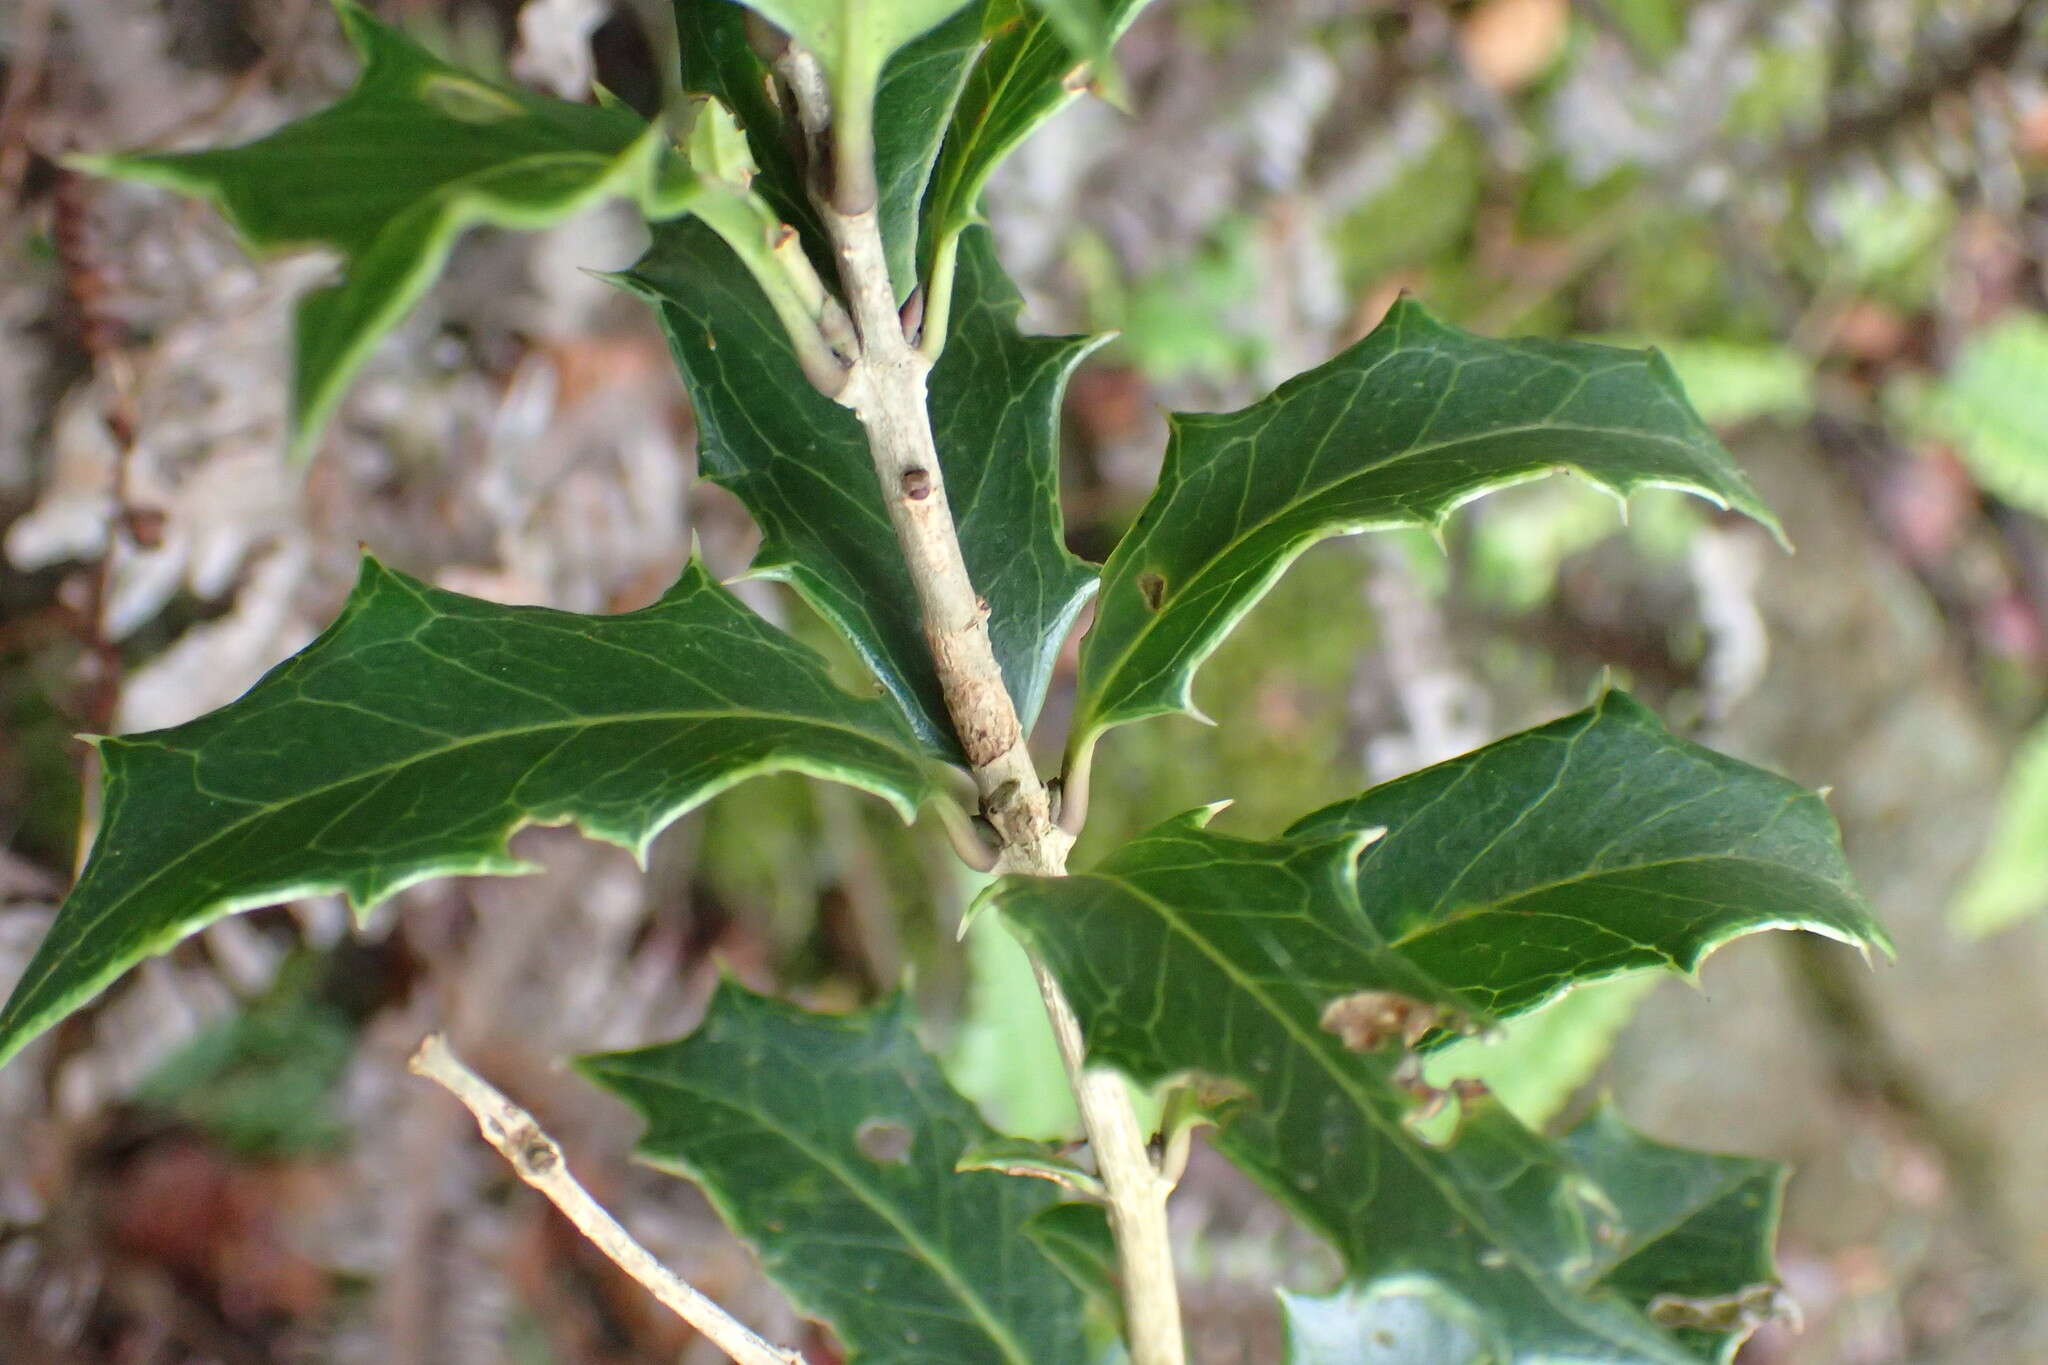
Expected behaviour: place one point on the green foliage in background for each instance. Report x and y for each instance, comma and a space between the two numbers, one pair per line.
260, 1082
2010, 880
1991, 408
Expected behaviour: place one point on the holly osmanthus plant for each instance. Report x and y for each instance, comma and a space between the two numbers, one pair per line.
849, 341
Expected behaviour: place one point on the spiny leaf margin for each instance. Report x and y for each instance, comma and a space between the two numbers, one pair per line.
1401, 429
415, 153
1191, 952
416, 734
771, 1110
1598, 844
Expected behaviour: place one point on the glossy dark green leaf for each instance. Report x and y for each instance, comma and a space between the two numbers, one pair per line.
1028, 73
389, 177
829, 1143
913, 106
1709, 1222
1594, 845
800, 463
1718, 1220
416, 734
1192, 952
1400, 429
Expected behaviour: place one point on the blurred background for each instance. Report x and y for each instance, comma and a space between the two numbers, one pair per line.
1831, 214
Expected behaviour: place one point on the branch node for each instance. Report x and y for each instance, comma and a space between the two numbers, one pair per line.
1000, 800
889, 397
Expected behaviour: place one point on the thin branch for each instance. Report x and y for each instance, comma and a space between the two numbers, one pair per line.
886, 391
538, 1161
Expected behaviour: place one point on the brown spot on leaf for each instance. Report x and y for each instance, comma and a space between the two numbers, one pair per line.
883, 1140
1743, 1311
1366, 1019
1153, 588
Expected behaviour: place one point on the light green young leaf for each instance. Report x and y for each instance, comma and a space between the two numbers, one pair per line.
390, 176
416, 734
800, 463
913, 104
853, 40
830, 1144
1993, 409
854, 35
2010, 881
719, 61
1027, 73
1597, 844
1399, 430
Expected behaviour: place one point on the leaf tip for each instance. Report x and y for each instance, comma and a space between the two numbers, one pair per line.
1200, 816
1357, 842
625, 281
19, 1028
1875, 937
990, 896
358, 25
108, 165
372, 572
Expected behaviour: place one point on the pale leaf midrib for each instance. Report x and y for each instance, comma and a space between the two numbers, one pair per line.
1552, 1287
265, 809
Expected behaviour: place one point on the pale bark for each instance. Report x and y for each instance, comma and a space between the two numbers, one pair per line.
538, 1161
886, 390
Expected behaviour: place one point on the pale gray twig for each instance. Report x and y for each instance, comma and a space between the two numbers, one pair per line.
538, 1161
